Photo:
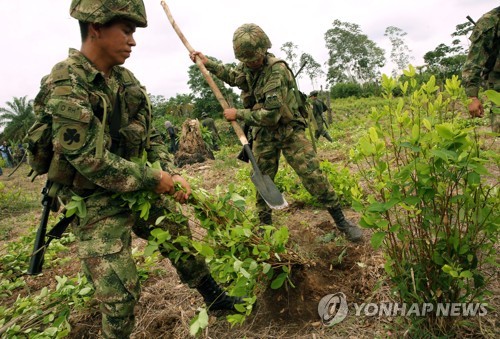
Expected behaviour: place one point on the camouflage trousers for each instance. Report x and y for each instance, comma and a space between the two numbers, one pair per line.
104, 246
268, 145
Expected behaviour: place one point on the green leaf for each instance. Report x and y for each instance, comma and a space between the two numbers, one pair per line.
265, 267
199, 322
366, 147
235, 319
412, 200
446, 155
278, 282
376, 207
427, 124
438, 258
85, 291
377, 239
161, 235
240, 308
493, 96
207, 251
373, 134
410, 72
446, 268
415, 133
245, 273
466, 274
237, 265
445, 131
51, 331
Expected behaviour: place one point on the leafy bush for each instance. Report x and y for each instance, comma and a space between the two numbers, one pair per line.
242, 256
429, 204
344, 182
346, 90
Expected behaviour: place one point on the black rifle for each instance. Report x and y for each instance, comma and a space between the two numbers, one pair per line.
300, 69
471, 20
40, 246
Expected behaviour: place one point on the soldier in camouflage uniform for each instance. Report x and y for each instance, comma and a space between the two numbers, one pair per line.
319, 107
172, 136
101, 118
271, 107
482, 67
209, 123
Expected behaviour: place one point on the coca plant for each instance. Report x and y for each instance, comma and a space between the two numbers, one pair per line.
430, 199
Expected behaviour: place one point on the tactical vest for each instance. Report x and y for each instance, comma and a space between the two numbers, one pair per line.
295, 101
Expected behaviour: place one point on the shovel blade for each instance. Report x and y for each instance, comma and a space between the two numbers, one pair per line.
268, 191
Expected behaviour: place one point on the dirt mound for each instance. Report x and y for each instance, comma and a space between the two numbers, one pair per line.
334, 268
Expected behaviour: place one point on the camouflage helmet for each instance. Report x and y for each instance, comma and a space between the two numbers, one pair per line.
313, 94
250, 42
103, 11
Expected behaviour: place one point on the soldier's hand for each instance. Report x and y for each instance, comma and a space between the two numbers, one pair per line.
476, 109
166, 184
183, 189
230, 114
200, 55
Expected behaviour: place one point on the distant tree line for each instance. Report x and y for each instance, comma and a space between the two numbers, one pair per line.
353, 69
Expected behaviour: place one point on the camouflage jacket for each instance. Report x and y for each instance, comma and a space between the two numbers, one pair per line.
318, 108
483, 60
269, 94
98, 125
210, 124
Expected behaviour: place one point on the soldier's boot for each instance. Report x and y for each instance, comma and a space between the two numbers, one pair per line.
353, 232
328, 137
265, 218
215, 297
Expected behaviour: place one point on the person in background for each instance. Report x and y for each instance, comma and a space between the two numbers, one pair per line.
19, 153
172, 137
209, 123
6, 154
271, 106
482, 67
319, 107
101, 120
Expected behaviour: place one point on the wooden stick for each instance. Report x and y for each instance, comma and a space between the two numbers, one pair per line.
206, 74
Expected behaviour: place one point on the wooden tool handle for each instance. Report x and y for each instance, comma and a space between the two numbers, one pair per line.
206, 74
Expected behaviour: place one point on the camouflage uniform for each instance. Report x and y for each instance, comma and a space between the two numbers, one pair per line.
209, 123
319, 108
6, 154
172, 136
483, 61
271, 107
98, 125
104, 235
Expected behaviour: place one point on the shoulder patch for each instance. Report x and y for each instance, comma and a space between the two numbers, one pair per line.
72, 136
60, 72
62, 90
69, 110
271, 85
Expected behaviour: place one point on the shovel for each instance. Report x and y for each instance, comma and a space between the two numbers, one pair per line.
263, 183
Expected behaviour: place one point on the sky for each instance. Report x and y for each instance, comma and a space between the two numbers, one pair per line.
38, 33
